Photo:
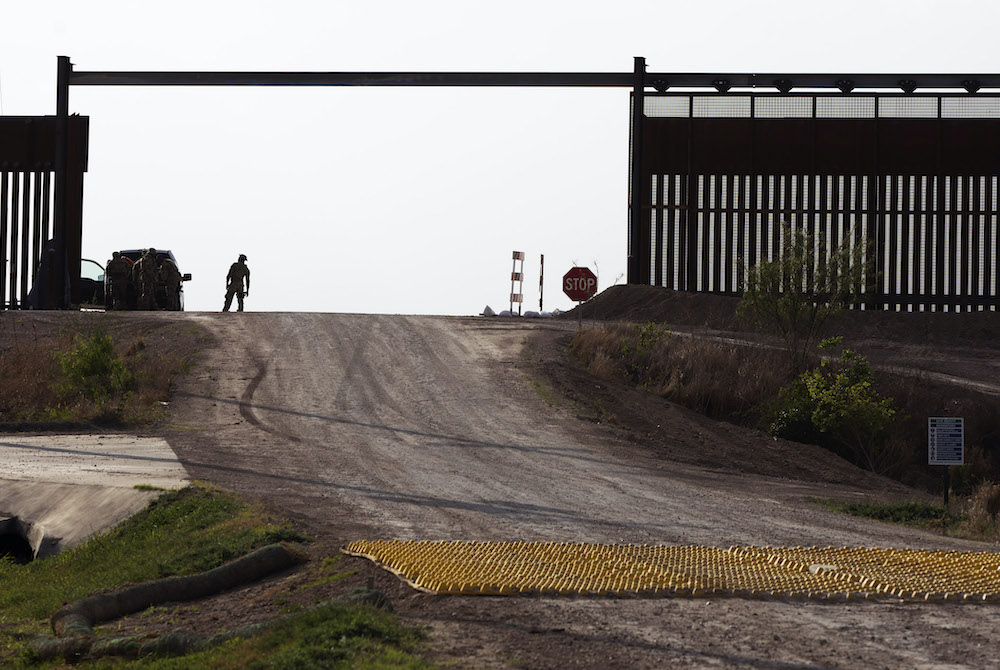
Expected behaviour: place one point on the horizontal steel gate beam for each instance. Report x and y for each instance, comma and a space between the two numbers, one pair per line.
659, 81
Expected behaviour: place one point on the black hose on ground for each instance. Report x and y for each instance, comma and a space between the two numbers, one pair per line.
176, 643
73, 625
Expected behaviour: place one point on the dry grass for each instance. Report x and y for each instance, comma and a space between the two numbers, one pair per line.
33, 386
720, 380
28, 373
982, 508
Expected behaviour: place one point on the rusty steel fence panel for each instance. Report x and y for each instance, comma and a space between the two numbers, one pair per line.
25, 229
27, 203
916, 176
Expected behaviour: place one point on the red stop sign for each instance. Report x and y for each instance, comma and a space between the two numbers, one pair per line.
580, 284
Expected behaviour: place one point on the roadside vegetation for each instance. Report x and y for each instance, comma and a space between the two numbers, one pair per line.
836, 405
100, 370
186, 532
974, 517
804, 390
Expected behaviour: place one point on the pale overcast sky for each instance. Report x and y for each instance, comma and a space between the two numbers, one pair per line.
407, 200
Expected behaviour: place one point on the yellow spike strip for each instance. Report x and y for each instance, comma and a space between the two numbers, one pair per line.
827, 573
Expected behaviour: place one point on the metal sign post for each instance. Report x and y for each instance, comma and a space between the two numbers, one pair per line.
946, 445
541, 278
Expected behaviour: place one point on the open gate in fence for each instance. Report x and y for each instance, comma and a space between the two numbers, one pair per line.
914, 175
713, 175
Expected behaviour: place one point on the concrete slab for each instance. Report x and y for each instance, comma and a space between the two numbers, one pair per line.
71, 487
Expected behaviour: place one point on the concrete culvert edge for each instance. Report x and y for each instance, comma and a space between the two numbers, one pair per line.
23, 541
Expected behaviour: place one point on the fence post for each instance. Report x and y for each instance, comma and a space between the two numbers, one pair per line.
638, 253
65, 68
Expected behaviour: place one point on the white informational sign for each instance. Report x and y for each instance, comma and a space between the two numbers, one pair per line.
945, 440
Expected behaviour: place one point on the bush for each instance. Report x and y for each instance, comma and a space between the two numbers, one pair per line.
982, 509
93, 370
637, 350
837, 406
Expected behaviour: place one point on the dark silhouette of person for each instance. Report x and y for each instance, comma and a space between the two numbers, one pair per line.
119, 272
238, 273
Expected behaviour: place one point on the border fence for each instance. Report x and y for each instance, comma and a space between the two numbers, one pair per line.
914, 176
29, 275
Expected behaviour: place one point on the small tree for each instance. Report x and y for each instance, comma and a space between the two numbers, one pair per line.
793, 295
836, 405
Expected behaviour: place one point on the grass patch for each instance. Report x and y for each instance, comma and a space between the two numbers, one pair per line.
180, 533
328, 572
329, 636
971, 517
95, 368
545, 392
908, 513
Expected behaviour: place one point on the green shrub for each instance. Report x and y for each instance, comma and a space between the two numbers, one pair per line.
106, 371
911, 513
93, 370
837, 406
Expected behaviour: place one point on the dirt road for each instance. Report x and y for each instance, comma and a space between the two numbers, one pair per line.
365, 427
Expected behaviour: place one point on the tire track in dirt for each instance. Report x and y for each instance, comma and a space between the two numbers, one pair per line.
247, 408
388, 371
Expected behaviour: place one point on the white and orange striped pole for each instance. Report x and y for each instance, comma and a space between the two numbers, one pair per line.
517, 277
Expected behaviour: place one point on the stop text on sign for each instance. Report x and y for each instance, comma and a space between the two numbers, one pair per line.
587, 284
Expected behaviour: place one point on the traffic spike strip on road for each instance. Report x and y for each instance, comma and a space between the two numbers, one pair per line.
828, 573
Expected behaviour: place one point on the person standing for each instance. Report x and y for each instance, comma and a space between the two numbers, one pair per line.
118, 271
170, 276
238, 273
144, 274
